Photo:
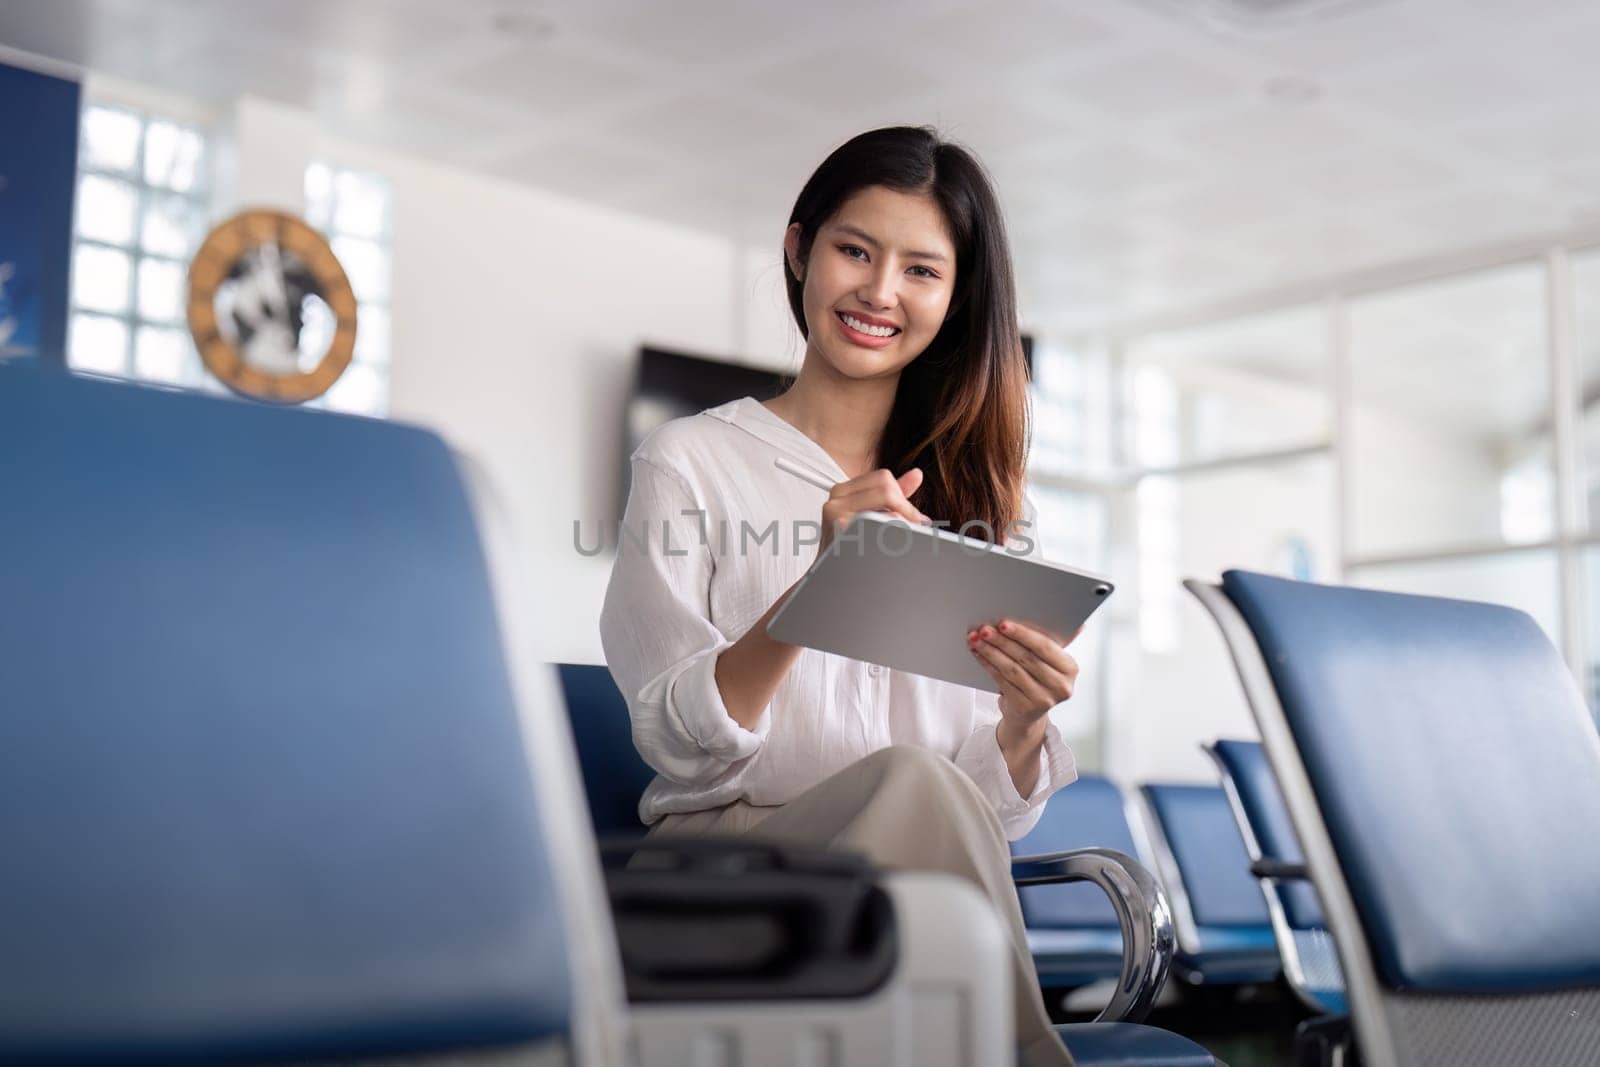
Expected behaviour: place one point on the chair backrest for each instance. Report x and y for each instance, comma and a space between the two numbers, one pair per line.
1090, 813
614, 774
1443, 775
1210, 855
263, 793
1310, 959
1245, 765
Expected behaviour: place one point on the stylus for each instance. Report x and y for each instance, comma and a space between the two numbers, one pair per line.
784, 463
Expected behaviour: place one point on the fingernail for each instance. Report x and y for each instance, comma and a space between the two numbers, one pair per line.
987, 631
1005, 627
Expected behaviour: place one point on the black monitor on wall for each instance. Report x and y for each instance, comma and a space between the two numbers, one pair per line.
670, 385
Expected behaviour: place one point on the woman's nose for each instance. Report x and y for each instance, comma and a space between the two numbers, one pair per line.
879, 289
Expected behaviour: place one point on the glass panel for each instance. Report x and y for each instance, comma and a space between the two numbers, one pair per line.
1528, 579
1071, 410
1175, 685
1072, 527
1590, 680
372, 334
1246, 385
110, 139
100, 278
1450, 415
98, 344
1160, 513
360, 390
1586, 310
162, 354
319, 195
367, 265
360, 205
172, 156
162, 289
171, 226
1072, 530
106, 209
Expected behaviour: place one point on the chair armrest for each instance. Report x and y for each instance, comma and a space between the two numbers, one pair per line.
1142, 911
1281, 870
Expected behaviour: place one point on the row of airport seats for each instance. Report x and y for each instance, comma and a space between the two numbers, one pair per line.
1184, 832
1242, 911
278, 784
1422, 815
1438, 773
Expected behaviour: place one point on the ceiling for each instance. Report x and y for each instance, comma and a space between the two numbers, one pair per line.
1151, 154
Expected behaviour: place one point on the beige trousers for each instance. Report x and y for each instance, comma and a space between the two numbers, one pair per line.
912, 809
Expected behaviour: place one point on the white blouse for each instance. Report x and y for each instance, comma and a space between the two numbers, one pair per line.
713, 534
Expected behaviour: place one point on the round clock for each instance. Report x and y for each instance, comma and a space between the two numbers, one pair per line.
270, 308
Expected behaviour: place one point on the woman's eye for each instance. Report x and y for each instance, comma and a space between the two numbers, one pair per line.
926, 273
851, 250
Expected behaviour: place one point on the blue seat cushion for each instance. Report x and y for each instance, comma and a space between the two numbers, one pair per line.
1457, 771
1131, 1045
1089, 813
1262, 800
1233, 954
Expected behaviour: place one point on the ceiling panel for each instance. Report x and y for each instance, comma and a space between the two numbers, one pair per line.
1148, 161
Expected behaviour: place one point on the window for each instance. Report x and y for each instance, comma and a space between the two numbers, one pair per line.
1451, 439
140, 214
1071, 410
352, 209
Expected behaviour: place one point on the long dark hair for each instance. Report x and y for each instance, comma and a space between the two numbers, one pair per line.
961, 407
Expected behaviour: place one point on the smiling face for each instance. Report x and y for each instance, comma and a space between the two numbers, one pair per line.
878, 281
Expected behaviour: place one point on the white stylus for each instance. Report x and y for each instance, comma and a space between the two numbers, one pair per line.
805, 473
821, 481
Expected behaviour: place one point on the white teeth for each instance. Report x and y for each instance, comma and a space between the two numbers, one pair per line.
871, 331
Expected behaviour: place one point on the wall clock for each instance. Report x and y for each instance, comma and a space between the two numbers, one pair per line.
270, 308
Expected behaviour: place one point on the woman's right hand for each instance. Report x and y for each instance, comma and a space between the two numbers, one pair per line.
877, 490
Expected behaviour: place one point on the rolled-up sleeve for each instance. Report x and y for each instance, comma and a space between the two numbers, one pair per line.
985, 764
980, 756
658, 638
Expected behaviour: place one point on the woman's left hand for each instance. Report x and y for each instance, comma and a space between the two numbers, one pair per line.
1031, 666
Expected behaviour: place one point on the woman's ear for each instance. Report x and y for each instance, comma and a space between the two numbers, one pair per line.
791, 251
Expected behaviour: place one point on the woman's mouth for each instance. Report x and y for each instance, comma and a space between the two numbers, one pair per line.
865, 333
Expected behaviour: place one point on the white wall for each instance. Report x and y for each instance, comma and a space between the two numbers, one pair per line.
517, 317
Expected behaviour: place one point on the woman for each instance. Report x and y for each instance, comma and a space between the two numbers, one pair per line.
912, 400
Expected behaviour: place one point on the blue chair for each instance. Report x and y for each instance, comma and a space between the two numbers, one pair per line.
1129, 936
1224, 931
1442, 775
263, 791
1073, 930
614, 776
1310, 963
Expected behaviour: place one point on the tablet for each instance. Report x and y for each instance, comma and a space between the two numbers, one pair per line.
904, 596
